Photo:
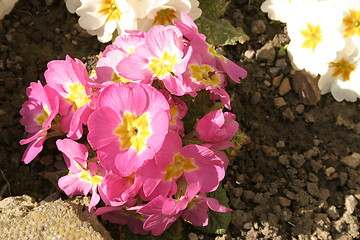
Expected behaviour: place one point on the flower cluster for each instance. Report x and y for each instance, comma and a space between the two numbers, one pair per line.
325, 40
6, 6
103, 17
125, 141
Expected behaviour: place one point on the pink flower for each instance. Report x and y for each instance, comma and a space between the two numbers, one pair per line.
178, 110
161, 212
197, 210
217, 127
160, 58
125, 216
70, 79
197, 41
128, 127
84, 177
38, 113
116, 190
196, 163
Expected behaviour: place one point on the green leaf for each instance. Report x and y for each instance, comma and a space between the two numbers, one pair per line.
219, 32
218, 222
174, 232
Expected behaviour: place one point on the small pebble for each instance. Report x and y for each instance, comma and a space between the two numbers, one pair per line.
288, 114
329, 171
279, 102
284, 201
257, 27
248, 225
277, 80
249, 53
350, 203
352, 161
300, 108
280, 144
255, 98
193, 236
332, 212
284, 87
267, 83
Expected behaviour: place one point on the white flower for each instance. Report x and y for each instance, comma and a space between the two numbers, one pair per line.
278, 10
313, 28
343, 77
103, 17
163, 12
6, 6
72, 5
350, 27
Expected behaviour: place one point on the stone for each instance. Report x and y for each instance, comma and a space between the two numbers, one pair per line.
306, 87
249, 53
329, 171
352, 161
284, 87
332, 212
193, 236
300, 108
288, 114
277, 80
21, 216
285, 202
248, 225
257, 27
279, 102
350, 203
266, 53
255, 98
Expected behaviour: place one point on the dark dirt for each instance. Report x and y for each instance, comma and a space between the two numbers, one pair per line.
290, 181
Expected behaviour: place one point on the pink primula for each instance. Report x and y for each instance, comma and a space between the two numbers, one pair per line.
116, 190
125, 216
70, 79
217, 128
38, 113
197, 41
196, 163
178, 110
161, 212
197, 210
161, 57
128, 127
85, 176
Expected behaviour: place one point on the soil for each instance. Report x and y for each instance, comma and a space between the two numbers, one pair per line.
296, 178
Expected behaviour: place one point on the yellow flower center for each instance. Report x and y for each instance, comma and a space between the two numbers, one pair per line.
205, 74
352, 23
343, 68
133, 131
86, 176
41, 118
178, 166
116, 78
192, 203
111, 9
77, 95
213, 52
164, 17
164, 65
312, 36
173, 113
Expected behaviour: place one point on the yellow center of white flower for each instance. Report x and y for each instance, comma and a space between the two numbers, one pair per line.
352, 23
312, 36
164, 17
205, 74
343, 68
111, 9
77, 95
41, 118
178, 166
164, 65
133, 131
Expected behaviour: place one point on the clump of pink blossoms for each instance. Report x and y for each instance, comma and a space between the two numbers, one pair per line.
139, 163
